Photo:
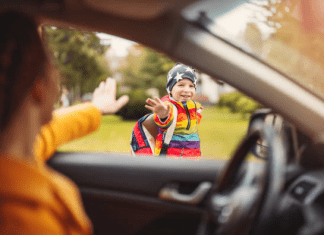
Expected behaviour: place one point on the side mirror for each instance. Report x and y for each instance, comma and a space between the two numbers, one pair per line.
257, 121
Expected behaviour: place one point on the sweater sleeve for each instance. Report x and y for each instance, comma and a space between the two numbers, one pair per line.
68, 124
165, 124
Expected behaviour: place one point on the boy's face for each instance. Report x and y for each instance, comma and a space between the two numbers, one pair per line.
183, 90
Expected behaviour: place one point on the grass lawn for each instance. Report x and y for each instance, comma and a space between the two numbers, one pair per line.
220, 132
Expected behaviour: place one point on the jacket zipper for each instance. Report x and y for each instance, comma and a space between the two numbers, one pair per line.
188, 115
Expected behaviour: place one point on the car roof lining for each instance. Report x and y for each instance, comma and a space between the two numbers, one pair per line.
130, 9
144, 29
140, 9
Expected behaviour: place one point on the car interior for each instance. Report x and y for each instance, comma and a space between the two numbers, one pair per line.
282, 193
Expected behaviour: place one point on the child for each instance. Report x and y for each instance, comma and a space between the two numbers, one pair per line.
181, 86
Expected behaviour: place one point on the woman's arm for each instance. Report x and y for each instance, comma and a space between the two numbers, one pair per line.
68, 124
78, 121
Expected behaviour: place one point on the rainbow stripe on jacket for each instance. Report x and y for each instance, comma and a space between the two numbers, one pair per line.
185, 141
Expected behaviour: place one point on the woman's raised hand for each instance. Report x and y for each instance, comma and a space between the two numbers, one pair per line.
104, 97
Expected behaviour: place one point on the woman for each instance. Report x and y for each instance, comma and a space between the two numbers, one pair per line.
35, 199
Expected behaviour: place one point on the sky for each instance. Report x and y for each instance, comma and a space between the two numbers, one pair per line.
118, 45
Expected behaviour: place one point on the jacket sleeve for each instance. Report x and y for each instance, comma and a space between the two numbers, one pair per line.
165, 124
68, 124
199, 111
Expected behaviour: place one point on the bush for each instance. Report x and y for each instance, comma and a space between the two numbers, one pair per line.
230, 100
238, 103
135, 108
246, 106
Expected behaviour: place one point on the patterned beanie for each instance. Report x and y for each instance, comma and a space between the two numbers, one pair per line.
179, 72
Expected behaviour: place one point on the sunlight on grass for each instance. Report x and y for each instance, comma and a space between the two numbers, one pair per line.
220, 132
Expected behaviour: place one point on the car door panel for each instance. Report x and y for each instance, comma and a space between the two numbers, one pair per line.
143, 175
121, 193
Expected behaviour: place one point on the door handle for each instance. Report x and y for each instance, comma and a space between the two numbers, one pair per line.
171, 193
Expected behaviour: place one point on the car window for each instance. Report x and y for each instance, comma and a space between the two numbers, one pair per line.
86, 58
271, 31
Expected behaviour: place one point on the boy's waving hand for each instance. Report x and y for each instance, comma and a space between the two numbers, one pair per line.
158, 107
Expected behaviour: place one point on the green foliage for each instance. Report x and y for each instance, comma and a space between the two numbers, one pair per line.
147, 70
229, 100
79, 56
144, 70
238, 103
246, 105
220, 132
135, 108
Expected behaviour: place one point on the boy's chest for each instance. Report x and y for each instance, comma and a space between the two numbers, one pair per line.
186, 111
186, 122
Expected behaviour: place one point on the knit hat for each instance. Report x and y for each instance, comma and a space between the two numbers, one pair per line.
179, 72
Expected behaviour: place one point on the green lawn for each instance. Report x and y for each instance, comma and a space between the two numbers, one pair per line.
220, 132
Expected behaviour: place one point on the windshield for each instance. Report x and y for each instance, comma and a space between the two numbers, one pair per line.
269, 30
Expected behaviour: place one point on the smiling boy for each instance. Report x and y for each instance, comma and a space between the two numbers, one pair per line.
181, 86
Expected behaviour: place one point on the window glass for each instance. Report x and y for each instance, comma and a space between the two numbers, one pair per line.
270, 30
86, 58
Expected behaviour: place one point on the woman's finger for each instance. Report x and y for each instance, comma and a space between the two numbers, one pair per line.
95, 93
101, 87
122, 101
110, 87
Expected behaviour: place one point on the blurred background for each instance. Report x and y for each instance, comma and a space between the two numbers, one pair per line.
84, 59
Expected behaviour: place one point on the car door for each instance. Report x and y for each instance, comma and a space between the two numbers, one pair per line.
140, 195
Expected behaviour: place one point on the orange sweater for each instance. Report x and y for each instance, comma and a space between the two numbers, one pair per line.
35, 199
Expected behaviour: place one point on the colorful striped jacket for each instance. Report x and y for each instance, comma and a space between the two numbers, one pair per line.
185, 141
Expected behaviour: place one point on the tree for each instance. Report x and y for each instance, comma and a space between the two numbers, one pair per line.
80, 58
239, 103
147, 69
144, 69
